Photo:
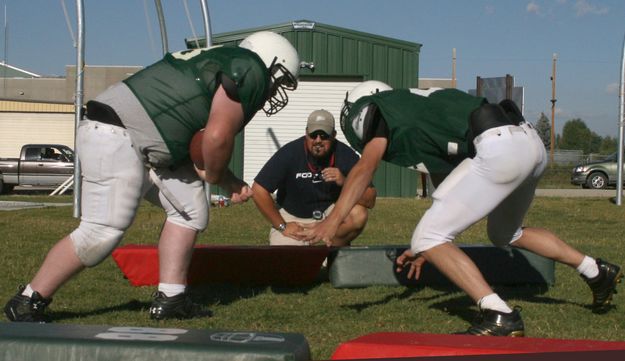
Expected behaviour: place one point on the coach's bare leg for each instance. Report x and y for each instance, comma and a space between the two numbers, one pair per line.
459, 268
352, 226
60, 264
547, 244
175, 249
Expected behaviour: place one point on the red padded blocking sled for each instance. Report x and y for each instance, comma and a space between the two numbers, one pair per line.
403, 344
262, 265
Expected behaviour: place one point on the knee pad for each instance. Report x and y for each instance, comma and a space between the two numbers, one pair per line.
94, 242
422, 241
196, 218
427, 234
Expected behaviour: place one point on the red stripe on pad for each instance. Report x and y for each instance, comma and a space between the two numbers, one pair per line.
262, 265
403, 344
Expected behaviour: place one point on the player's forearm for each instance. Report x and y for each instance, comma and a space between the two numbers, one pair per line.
355, 185
216, 167
359, 178
228, 180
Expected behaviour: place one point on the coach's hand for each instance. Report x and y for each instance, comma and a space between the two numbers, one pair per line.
332, 174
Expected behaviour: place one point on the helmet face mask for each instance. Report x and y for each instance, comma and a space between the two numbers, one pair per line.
282, 62
281, 81
345, 111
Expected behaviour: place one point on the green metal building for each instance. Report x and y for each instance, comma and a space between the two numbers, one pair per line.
342, 58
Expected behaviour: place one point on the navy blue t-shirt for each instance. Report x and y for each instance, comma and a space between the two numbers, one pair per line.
301, 191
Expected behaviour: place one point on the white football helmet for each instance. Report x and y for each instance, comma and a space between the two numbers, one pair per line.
283, 63
365, 88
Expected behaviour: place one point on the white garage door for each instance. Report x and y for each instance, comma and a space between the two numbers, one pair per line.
17, 129
264, 135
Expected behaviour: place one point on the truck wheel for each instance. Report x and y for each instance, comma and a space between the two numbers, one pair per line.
5, 188
597, 181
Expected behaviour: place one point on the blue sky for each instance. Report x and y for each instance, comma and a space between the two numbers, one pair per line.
492, 38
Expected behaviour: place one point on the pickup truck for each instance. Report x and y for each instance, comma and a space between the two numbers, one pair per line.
38, 165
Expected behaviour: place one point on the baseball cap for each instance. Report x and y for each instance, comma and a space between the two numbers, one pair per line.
320, 120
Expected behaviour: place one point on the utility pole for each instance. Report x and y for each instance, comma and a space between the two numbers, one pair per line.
553, 106
453, 68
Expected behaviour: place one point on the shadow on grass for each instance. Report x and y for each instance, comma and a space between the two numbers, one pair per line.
462, 306
449, 299
206, 295
132, 305
403, 295
225, 294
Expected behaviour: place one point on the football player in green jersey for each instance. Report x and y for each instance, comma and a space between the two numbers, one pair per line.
134, 142
485, 161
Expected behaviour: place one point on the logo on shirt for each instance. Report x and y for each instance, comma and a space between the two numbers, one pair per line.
316, 177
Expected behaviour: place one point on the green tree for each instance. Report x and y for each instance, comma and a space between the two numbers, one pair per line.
594, 143
608, 145
576, 135
543, 128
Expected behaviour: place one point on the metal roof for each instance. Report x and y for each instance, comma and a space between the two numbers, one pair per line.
9, 71
340, 52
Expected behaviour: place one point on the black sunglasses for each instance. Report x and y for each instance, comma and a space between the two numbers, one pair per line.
319, 133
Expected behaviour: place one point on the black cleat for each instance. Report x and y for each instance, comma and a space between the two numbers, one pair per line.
27, 309
179, 307
495, 323
603, 286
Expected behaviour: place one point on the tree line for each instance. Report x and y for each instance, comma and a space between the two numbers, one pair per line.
575, 136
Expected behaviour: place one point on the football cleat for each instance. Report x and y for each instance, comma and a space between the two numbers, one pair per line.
22, 308
603, 286
495, 323
177, 307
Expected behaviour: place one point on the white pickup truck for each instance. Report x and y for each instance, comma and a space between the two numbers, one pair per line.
38, 165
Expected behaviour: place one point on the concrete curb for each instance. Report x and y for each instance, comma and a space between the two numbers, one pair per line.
597, 193
13, 205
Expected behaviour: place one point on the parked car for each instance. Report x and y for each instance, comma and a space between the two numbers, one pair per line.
596, 175
38, 165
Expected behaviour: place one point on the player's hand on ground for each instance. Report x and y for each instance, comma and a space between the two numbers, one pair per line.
332, 174
412, 260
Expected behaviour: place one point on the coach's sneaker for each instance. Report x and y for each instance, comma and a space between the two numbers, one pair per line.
603, 286
179, 306
27, 309
495, 323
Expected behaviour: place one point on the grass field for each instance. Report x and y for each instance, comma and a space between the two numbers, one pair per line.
324, 315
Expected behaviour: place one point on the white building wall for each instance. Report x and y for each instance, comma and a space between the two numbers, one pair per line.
264, 135
17, 129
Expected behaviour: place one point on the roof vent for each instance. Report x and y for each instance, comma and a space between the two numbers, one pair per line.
303, 24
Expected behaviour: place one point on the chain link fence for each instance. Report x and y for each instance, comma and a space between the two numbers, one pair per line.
562, 157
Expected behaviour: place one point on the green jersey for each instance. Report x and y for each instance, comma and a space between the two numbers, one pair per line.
423, 131
177, 91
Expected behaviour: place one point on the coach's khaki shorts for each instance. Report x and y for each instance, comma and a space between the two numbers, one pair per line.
277, 239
